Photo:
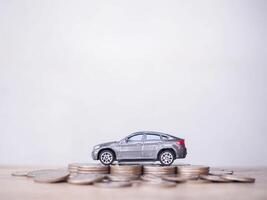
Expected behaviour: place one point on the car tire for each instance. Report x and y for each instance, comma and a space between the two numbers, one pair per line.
106, 157
166, 157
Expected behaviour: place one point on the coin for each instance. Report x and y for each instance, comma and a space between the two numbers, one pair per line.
162, 184
220, 172
113, 184
85, 179
73, 167
177, 179
159, 170
182, 164
130, 170
52, 176
189, 177
151, 178
34, 173
122, 178
20, 173
92, 166
88, 168
214, 178
193, 170
237, 178
122, 175
136, 183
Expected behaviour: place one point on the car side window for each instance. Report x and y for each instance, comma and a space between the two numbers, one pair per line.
164, 137
152, 137
135, 138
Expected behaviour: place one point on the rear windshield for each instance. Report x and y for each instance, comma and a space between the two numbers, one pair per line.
164, 137
170, 137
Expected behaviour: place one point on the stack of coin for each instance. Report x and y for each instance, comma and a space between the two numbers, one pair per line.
73, 167
159, 170
151, 178
131, 175
192, 170
184, 164
155, 180
85, 179
87, 168
126, 170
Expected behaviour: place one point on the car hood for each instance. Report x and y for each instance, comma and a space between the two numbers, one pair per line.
107, 144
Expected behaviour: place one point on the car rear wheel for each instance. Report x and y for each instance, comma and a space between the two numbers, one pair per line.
166, 157
106, 157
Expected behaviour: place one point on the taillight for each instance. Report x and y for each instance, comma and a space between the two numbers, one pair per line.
181, 142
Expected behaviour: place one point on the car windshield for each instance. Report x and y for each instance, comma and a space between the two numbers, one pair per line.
135, 138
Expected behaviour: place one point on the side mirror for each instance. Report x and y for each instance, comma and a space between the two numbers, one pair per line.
123, 141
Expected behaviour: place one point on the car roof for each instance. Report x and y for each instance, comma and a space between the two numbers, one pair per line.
152, 132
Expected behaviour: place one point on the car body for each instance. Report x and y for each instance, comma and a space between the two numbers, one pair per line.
142, 146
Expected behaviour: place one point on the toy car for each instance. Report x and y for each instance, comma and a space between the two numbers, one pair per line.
142, 146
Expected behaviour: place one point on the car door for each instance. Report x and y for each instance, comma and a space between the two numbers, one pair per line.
152, 143
131, 147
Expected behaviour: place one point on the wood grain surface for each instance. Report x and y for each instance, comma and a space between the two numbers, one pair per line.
24, 188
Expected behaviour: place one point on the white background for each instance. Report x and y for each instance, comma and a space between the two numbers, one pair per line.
77, 73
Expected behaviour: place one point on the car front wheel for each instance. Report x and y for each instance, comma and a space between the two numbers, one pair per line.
106, 157
166, 157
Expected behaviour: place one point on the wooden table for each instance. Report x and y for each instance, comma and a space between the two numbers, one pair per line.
24, 188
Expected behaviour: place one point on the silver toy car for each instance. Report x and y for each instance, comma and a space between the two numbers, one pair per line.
142, 146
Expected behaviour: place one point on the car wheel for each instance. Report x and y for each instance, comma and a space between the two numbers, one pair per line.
106, 157
166, 157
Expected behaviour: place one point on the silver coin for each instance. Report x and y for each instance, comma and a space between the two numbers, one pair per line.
220, 172
87, 168
85, 179
34, 173
20, 173
126, 170
136, 182
113, 184
177, 179
159, 170
150, 178
92, 166
162, 184
190, 177
238, 178
54, 176
92, 172
214, 178
181, 164
76, 165
192, 170
123, 178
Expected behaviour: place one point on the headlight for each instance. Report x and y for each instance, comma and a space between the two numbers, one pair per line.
96, 147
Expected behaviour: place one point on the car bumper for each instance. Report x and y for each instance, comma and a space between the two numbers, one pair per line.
95, 154
182, 153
